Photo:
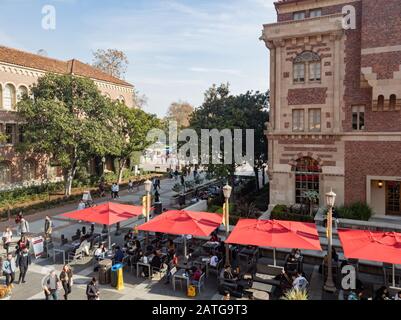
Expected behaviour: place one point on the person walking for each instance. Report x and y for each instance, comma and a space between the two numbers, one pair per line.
130, 186
22, 244
92, 290
8, 269
48, 228
117, 195
23, 261
102, 189
7, 237
50, 285
66, 280
23, 226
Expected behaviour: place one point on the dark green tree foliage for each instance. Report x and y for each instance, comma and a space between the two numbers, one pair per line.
221, 110
68, 119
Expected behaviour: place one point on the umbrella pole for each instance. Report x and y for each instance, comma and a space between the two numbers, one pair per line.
393, 275
274, 257
109, 236
185, 249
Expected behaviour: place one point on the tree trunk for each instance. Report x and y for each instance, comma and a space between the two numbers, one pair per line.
68, 178
121, 166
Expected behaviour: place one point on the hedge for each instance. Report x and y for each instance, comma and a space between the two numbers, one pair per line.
355, 211
282, 212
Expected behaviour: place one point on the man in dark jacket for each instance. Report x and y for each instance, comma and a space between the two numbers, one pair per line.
92, 291
48, 227
23, 261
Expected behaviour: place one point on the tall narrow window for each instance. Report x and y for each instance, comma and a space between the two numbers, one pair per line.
314, 71
21, 131
393, 101
22, 90
10, 133
298, 120
314, 120
315, 13
380, 102
300, 15
307, 178
358, 118
299, 72
9, 97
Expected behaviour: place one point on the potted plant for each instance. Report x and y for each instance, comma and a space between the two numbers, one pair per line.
313, 198
5, 293
295, 294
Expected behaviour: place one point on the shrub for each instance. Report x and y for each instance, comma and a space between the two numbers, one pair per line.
295, 294
355, 211
282, 212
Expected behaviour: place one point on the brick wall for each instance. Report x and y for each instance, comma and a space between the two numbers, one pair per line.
381, 23
363, 158
307, 96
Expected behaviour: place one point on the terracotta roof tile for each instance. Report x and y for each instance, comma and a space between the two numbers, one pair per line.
30, 60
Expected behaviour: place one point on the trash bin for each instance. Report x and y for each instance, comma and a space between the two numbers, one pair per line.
117, 276
105, 271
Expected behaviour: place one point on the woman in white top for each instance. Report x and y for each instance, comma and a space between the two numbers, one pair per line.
7, 238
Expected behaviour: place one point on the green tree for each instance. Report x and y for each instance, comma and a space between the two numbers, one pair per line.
67, 118
131, 127
221, 110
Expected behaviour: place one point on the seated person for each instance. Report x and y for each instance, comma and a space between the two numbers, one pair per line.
397, 296
172, 263
300, 282
196, 275
129, 236
382, 294
100, 252
171, 247
214, 237
118, 255
228, 274
156, 260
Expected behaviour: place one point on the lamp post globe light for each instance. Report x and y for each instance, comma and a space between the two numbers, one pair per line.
227, 193
330, 200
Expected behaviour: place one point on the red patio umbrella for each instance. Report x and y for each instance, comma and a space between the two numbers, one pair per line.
275, 234
181, 222
108, 213
372, 245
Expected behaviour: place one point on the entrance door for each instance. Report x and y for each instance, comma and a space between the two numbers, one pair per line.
393, 198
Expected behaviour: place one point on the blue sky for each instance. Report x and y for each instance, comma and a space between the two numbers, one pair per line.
177, 49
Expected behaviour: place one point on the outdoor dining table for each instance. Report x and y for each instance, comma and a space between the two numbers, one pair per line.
180, 275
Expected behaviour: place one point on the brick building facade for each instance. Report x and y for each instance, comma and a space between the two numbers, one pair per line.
18, 71
336, 102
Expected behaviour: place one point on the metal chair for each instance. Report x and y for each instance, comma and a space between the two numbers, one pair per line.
200, 283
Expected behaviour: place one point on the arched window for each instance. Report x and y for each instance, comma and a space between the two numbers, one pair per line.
22, 90
121, 99
307, 176
307, 60
9, 97
29, 170
5, 173
380, 102
393, 100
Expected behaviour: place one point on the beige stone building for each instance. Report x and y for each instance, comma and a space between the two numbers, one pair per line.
335, 117
18, 71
